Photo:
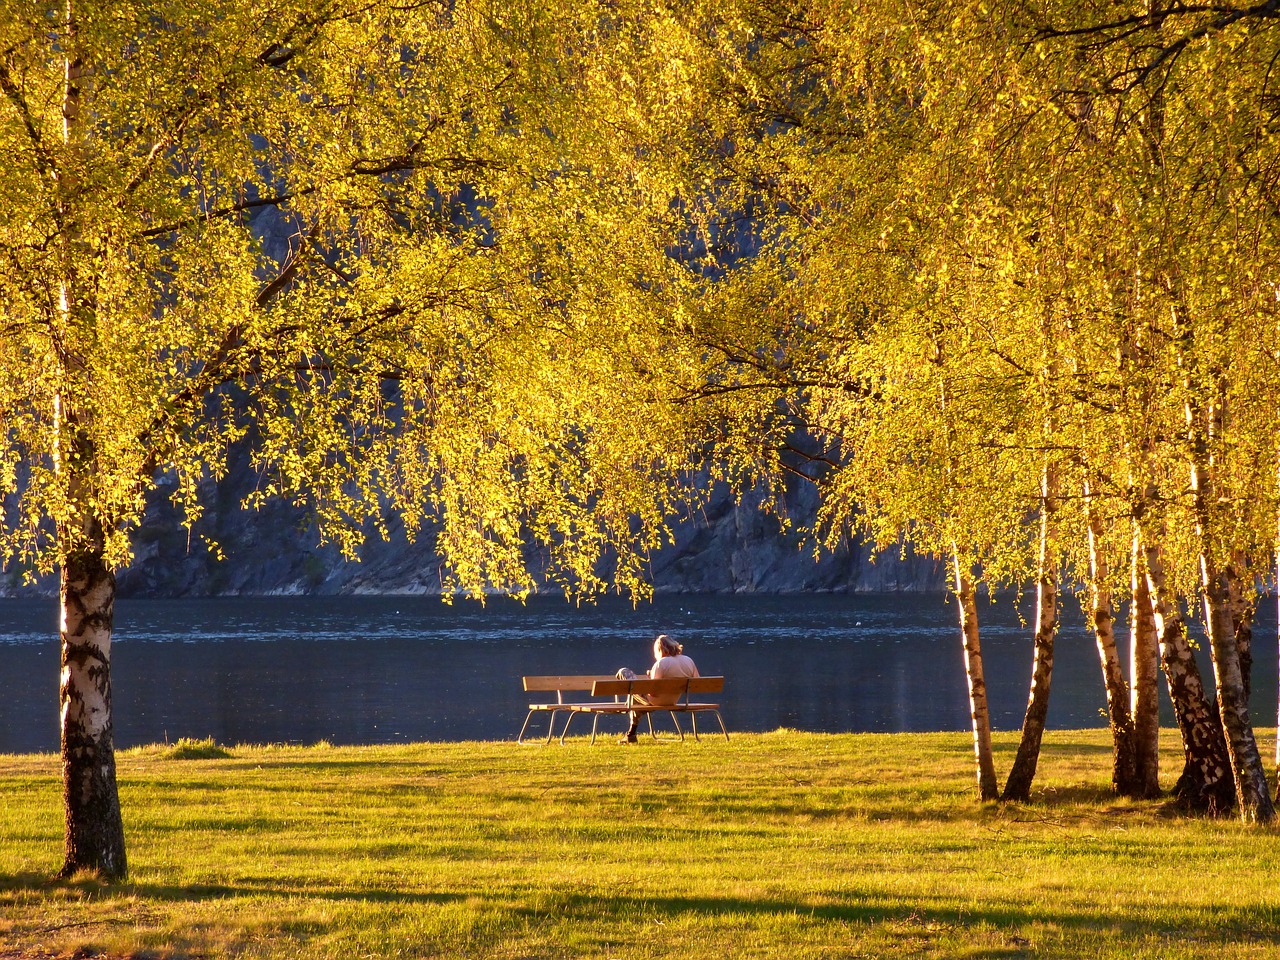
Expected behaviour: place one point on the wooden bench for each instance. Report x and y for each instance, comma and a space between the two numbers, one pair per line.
560, 685
627, 696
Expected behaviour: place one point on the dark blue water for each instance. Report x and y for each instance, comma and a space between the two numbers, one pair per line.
390, 669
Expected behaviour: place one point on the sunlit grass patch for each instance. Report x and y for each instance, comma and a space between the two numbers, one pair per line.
783, 844
189, 749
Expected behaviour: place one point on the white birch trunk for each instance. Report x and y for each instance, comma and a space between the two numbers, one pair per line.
1206, 422
1144, 669
1252, 792
94, 836
978, 712
1205, 783
1018, 786
1124, 778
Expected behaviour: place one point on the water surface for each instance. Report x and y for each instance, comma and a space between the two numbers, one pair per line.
391, 669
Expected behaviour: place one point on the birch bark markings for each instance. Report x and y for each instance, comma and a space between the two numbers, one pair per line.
94, 830
1244, 607
1144, 669
988, 789
1018, 786
1124, 770
1247, 771
94, 837
1204, 784
1246, 761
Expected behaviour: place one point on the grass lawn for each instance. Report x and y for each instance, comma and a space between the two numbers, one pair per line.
773, 845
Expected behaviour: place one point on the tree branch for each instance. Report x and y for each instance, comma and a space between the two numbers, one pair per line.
44, 160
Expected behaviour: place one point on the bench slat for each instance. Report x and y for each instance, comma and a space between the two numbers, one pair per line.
564, 705
659, 687
563, 682
680, 707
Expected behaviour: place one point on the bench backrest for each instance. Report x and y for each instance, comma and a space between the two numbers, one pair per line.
562, 682
666, 686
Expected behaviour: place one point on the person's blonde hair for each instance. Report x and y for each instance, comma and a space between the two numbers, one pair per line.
668, 646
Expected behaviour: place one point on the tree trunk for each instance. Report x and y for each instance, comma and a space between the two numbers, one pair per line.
91, 802
1244, 606
1250, 777
1204, 784
987, 787
1144, 668
1124, 768
1018, 786
94, 829
1205, 424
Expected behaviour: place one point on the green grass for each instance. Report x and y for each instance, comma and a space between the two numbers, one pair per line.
784, 845
188, 749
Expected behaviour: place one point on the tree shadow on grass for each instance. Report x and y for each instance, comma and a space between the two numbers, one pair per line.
1054, 746
935, 915
1093, 795
89, 885
251, 887
28, 880
997, 929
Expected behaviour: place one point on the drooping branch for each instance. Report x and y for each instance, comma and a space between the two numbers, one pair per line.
45, 162
364, 167
288, 271
1106, 33
243, 206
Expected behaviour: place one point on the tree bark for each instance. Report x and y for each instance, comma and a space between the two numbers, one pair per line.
1250, 777
1244, 606
1124, 768
94, 828
981, 717
1144, 668
1252, 791
1206, 423
94, 838
1018, 786
1205, 784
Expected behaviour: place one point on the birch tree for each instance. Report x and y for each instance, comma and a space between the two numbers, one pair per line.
470, 323
966, 171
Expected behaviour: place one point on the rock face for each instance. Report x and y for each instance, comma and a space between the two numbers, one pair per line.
737, 547
727, 547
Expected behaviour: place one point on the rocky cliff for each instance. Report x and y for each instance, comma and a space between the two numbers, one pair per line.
729, 546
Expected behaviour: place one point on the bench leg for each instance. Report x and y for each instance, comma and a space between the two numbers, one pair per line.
676, 721
722, 727
528, 717
564, 730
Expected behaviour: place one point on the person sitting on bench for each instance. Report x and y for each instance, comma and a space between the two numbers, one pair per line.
669, 661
